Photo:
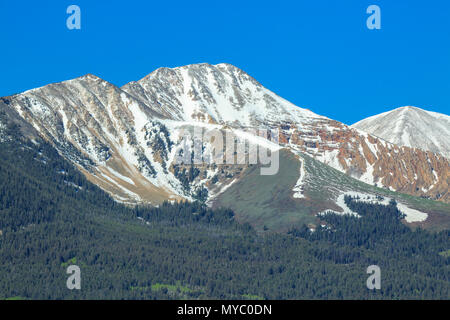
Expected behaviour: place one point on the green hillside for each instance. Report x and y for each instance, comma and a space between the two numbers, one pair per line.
268, 201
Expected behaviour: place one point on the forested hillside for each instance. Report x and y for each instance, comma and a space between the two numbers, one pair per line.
51, 217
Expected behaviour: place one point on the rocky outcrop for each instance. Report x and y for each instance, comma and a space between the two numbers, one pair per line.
375, 161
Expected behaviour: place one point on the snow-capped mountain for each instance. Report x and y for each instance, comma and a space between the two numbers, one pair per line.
224, 94
411, 127
220, 94
125, 139
94, 124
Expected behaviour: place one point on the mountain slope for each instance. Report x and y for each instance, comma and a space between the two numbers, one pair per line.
284, 200
126, 140
219, 94
223, 94
94, 124
411, 127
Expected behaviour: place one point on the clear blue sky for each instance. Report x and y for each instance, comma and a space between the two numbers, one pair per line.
318, 54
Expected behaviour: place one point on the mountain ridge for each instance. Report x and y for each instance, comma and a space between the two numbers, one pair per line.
124, 139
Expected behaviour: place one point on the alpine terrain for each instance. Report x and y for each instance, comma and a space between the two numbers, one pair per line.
153, 190
126, 141
411, 127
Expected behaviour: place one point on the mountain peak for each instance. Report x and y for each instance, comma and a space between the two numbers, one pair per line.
89, 76
197, 67
410, 109
412, 127
221, 94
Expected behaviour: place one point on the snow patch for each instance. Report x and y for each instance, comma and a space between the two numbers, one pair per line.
121, 177
298, 188
412, 215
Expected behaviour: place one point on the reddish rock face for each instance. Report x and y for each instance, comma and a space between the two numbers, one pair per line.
371, 159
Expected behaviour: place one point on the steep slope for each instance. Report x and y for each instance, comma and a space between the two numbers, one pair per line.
104, 131
220, 94
411, 127
224, 94
127, 140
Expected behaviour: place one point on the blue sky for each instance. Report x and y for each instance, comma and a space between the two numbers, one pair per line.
317, 54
